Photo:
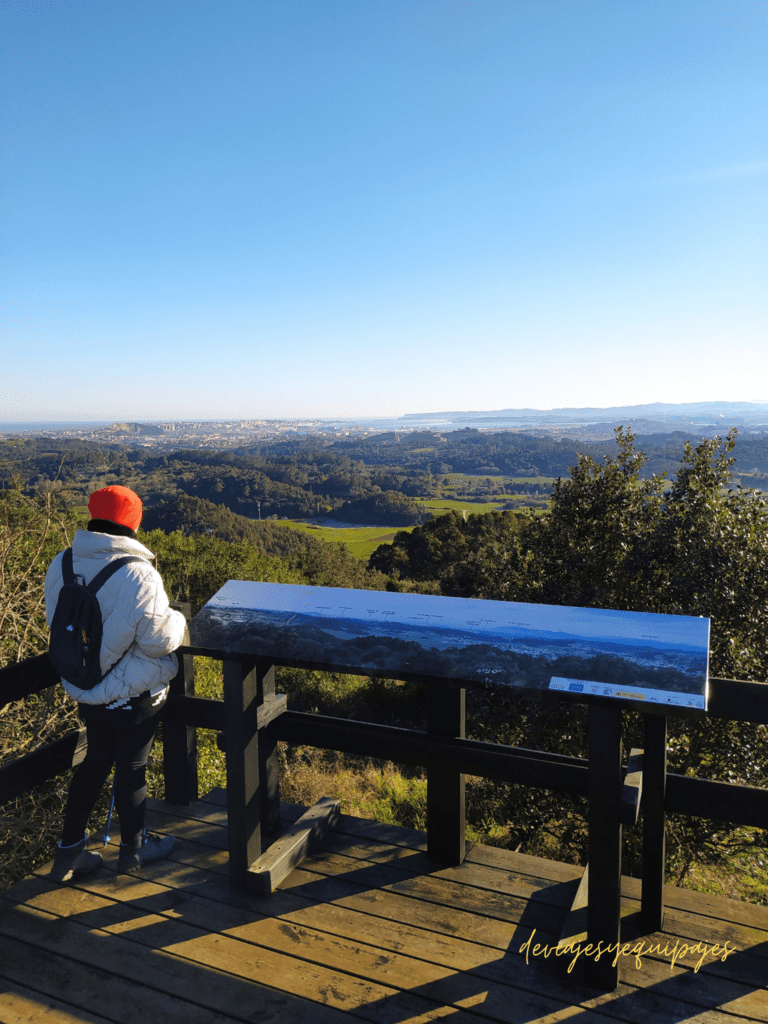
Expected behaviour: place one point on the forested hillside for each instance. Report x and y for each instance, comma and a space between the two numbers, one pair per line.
310, 476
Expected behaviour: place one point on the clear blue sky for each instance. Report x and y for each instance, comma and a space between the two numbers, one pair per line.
278, 208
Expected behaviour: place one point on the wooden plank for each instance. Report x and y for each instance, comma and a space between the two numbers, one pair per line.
199, 712
723, 801
702, 989
479, 876
634, 1015
502, 906
408, 864
338, 885
334, 887
378, 836
451, 918
198, 811
203, 832
528, 887
744, 963
373, 842
20, 679
183, 953
39, 765
290, 849
445, 985
409, 746
392, 961
537, 872
396, 835
629, 1004
393, 835
686, 925
34, 955
446, 809
22, 1005
747, 970
524, 863
738, 701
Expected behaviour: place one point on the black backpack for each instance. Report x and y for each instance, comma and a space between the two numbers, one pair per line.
75, 645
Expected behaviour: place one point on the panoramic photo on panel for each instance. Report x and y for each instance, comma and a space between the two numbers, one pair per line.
626, 655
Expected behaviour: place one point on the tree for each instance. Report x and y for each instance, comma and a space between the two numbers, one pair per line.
33, 528
387, 508
445, 554
613, 540
700, 547
710, 557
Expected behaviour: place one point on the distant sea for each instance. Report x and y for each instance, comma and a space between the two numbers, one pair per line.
15, 428
442, 424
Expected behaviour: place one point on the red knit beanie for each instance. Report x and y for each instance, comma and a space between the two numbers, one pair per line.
118, 505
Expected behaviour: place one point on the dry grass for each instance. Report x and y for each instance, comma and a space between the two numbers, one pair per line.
743, 877
365, 787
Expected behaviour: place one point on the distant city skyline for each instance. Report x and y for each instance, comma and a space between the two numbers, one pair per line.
742, 412
347, 210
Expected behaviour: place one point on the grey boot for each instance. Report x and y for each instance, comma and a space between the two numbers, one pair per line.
74, 862
144, 850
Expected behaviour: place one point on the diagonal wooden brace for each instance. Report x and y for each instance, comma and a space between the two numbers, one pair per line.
287, 852
632, 790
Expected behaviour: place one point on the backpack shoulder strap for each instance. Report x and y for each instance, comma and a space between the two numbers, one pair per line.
110, 569
67, 571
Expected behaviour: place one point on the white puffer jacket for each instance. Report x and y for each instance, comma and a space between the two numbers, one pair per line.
135, 615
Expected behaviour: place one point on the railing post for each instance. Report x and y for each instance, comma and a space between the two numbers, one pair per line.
445, 787
654, 820
604, 881
179, 739
253, 799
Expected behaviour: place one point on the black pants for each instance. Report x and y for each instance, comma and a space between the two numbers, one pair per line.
122, 737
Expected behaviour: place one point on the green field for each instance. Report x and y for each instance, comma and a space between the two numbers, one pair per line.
466, 479
437, 505
361, 541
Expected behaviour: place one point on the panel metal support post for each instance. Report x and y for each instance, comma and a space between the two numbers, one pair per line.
654, 820
250, 806
604, 892
445, 787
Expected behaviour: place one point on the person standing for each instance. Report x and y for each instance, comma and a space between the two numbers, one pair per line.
121, 713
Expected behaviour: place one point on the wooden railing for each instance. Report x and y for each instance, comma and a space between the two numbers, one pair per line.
252, 718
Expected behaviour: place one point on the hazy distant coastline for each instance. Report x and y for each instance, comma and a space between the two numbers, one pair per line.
655, 417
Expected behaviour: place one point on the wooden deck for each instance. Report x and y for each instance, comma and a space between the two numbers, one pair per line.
367, 929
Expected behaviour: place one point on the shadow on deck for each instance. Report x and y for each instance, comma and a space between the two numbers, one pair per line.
367, 928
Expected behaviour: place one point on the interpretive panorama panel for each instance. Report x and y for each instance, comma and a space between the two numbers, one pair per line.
626, 655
